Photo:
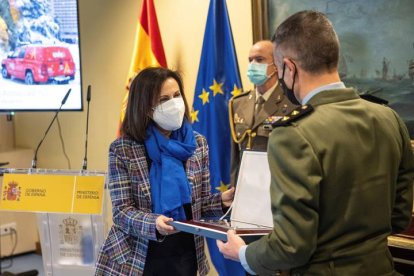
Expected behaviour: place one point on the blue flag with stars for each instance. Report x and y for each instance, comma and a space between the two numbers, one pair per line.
217, 81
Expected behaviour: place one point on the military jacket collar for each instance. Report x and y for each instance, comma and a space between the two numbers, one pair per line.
331, 96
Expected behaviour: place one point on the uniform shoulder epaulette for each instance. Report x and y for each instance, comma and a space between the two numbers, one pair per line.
240, 95
374, 99
299, 112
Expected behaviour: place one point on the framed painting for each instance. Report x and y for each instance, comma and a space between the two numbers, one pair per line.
377, 44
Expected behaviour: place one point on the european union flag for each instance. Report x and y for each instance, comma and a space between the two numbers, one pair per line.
217, 81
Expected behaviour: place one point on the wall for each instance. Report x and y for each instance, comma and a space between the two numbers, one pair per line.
107, 36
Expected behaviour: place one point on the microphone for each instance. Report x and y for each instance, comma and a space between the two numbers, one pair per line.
34, 160
85, 160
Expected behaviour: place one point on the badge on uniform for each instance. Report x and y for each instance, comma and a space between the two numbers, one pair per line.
237, 119
267, 124
298, 113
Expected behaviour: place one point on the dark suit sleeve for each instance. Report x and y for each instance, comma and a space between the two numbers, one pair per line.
403, 204
126, 215
294, 190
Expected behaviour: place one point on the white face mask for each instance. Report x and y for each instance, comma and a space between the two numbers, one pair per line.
169, 115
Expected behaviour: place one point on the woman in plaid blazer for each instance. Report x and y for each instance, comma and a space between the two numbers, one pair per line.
158, 171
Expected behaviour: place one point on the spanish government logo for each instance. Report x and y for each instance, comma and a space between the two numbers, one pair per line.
12, 191
69, 231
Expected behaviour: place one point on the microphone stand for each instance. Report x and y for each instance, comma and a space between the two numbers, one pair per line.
34, 161
85, 160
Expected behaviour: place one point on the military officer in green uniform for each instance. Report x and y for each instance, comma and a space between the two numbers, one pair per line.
341, 167
252, 113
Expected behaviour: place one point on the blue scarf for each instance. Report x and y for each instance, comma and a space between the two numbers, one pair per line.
170, 189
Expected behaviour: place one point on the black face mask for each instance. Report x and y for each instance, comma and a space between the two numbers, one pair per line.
288, 92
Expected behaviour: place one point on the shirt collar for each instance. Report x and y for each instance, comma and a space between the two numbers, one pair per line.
331, 86
266, 95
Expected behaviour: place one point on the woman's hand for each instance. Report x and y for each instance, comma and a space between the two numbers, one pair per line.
227, 197
161, 223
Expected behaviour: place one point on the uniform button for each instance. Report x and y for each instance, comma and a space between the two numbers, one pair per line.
238, 133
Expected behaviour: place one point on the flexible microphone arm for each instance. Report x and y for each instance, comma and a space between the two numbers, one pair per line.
85, 160
34, 161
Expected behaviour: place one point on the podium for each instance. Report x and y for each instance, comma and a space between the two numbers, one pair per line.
70, 212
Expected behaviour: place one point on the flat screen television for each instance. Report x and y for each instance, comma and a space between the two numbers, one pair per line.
39, 55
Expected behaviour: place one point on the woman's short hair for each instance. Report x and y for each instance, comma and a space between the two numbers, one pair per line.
144, 93
309, 38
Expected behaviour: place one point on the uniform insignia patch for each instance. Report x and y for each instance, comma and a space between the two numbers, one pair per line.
267, 124
297, 113
237, 119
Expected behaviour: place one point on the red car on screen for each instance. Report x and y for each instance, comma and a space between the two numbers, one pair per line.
39, 64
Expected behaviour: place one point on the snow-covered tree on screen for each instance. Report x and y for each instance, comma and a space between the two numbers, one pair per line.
35, 22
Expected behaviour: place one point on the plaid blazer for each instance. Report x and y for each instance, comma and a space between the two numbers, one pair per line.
125, 249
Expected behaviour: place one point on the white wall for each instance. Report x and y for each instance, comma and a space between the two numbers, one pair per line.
107, 37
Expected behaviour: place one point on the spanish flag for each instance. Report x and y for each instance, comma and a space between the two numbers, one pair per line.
148, 49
